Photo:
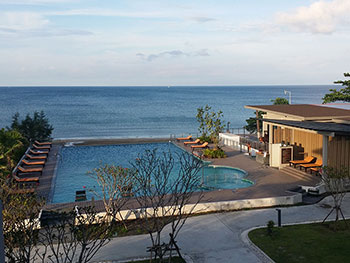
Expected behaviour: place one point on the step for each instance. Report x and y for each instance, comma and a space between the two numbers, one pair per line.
296, 173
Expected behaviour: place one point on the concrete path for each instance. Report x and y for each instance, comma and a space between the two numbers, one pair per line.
217, 237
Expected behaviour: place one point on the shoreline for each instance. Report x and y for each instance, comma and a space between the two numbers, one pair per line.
109, 141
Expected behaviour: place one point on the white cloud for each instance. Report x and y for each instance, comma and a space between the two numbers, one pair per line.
322, 17
22, 21
173, 53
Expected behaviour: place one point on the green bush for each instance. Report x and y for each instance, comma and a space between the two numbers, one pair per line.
214, 153
205, 139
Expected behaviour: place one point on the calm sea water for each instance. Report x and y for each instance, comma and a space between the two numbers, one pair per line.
89, 112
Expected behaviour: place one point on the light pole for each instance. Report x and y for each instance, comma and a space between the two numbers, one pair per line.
290, 95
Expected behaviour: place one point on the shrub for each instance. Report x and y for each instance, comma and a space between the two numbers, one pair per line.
214, 153
270, 226
205, 139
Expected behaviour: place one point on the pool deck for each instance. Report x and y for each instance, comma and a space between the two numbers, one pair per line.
268, 182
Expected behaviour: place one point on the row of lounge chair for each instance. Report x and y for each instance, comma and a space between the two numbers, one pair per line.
309, 162
32, 164
194, 144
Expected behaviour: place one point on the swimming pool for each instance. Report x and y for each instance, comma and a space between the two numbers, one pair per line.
75, 162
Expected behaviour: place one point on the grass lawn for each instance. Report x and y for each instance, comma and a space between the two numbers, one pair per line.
305, 243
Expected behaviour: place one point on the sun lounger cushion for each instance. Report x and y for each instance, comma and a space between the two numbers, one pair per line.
194, 142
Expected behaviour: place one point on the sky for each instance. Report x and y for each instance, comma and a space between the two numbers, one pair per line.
180, 42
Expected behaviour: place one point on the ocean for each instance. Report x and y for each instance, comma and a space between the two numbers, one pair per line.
137, 112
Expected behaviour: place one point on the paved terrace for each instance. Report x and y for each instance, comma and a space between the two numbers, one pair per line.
269, 182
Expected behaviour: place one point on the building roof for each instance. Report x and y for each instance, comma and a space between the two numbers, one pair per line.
303, 111
321, 127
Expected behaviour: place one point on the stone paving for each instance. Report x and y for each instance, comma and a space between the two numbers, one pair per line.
220, 237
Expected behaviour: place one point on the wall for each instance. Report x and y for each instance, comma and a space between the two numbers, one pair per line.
339, 151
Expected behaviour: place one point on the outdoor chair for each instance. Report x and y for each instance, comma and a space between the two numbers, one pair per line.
308, 159
316, 164
35, 162
189, 137
37, 157
37, 152
204, 145
26, 178
41, 147
194, 142
28, 170
43, 143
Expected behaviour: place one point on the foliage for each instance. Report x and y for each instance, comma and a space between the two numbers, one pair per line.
116, 183
74, 236
214, 153
304, 243
12, 147
279, 101
20, 214
33, 128
251, 123
205, 139
341, 94
270, 226
210, 123
335, 181
164, 197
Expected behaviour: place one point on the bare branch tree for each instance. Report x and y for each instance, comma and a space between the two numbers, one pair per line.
164, 191
116, 184
336, 181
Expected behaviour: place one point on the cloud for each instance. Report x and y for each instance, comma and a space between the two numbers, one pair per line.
202, 19
321, 17
173, 53
22, 20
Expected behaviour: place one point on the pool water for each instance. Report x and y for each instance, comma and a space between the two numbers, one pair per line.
75, 162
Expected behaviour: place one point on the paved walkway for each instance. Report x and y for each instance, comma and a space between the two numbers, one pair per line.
217, 237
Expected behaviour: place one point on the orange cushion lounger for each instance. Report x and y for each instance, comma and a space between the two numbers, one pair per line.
194, 142
37, 162
37, 157
200, 146
28, 170
184, 138
43, 143
318, 163
316, 170
39, 152
41, 147
306, 160
26, 179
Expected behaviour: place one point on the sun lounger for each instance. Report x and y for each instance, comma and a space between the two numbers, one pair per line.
36, 157
309, 159
43, 143
36, 162
318, 163
26, 178
194, 142
189, 137
32, 174
28, 170
204, 145
41, 147
36, 152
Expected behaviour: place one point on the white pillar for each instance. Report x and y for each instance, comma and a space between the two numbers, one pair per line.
324, 150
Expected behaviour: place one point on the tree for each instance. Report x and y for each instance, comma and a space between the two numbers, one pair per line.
339, 95
12, 147
73, 236
279, 101
252, 123
166, 195
33, 128
20, 222
335, 181
116, 183
210, 124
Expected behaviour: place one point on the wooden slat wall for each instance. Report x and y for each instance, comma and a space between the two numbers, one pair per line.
339, 152
311, 143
